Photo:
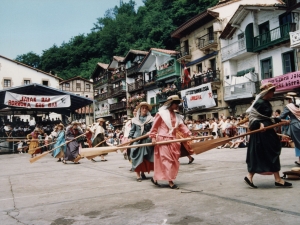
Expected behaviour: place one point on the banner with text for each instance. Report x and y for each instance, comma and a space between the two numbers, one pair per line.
286, 82
37, 101
199, 97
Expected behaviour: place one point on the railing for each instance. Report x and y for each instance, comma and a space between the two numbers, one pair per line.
149, 85
273, 37
117, 122
184, 51
239, 91
233, 49
207, 40
118, 76
100, 82
295, 39
117, 106
118, 90
135, 86
211, 76
132, 70
166, 71
100, 113
102, 96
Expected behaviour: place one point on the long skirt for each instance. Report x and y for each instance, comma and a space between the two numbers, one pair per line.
166, 164
33, 145
72, 151
142, 158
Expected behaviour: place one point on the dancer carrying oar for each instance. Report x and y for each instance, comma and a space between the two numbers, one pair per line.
166, 122
32, 160
264, 147
293, 111
34, 142
60, 152
141, 157
99, 138
72, 150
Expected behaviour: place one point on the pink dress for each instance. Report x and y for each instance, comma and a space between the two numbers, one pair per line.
166, 156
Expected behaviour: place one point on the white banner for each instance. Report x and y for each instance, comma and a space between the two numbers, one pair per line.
37, 101
200, 97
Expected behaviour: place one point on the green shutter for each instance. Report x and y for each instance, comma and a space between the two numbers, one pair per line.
249, 37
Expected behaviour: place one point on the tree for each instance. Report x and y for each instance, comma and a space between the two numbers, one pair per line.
31, 59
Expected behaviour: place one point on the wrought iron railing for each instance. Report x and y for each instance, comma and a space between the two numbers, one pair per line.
207, 40
273, 37
102, 96
183, 51
118, 90
233, 49
166, 71
132, 70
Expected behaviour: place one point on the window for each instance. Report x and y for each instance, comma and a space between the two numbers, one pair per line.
88, 86
266, 68
185, 48
7, 83
67, 85
289, 63
200, 69
152, 101
78, 85
26, 82
210, 31
45, 82
213, 64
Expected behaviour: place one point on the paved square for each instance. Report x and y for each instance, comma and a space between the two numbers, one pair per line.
212, 191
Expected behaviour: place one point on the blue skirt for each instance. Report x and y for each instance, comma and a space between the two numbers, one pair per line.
297, 151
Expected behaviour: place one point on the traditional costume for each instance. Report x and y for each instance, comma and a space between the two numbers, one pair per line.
59, 152
34, 142
165, 125
293, 112
72, 150
141, 157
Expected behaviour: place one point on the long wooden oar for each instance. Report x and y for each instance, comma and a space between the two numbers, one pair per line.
204, 146
124, 144
32, 160
102, 150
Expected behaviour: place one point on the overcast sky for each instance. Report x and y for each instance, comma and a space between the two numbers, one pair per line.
35, 25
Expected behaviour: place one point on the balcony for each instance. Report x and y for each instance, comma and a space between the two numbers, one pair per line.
138, 85
295, 39
117, 76
209, 77
102, 96
150, 85
184, 53
273, 37
167, 72
117, 106
234, 50
102, 113
117, 122
121, 90
239, 91
208, 42
100, 82
132, 70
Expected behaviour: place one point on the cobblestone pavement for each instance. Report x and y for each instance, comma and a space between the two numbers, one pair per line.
212, 191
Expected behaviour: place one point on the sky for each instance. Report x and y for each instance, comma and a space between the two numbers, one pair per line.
36, 25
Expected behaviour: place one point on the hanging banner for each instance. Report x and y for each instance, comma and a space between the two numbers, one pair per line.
199, 97
37, 101
286, 82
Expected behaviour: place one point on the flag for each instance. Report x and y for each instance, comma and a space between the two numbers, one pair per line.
186, 75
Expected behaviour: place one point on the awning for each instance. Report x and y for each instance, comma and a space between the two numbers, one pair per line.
77, 102
202, 59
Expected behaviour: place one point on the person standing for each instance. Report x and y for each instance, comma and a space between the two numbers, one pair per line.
141, 157
34, 142
292, 111
99, 134
264, 147
72, 150
59, 152
166, 123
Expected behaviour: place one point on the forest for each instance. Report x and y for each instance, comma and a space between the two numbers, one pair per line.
121, 28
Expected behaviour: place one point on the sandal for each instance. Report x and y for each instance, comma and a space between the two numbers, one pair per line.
192, 160
64, 162
139, 179
93, 160
76, 162
143, 176
155, 183
103, 160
